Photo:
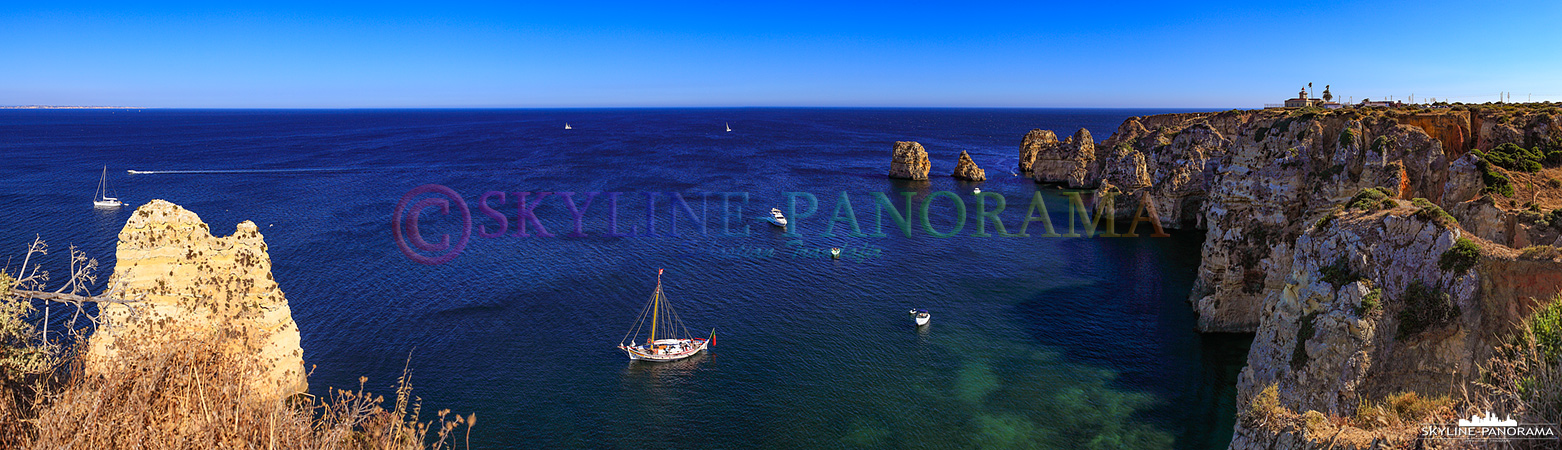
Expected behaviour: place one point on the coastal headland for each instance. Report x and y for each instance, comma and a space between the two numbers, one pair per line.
1382, 257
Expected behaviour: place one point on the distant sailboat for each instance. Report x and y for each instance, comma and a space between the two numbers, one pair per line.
566, 126
669, 347
729, 127
98, 199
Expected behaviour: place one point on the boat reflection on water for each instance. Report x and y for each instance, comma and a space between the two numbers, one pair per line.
664, 381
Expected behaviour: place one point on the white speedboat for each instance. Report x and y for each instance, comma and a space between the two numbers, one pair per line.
976, 191
835, 252
675, 343
921, 316
99, 200
776, 218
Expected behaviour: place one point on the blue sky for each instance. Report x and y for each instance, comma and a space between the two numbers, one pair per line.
574, 54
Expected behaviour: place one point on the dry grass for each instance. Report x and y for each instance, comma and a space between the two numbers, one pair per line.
1526, 375
188, 392
1401, 409
1541, 188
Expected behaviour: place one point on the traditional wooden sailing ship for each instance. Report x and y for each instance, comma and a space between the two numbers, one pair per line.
668, 338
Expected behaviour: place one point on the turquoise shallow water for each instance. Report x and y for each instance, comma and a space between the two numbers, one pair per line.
1035, 342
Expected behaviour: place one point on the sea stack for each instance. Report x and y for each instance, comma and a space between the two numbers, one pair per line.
191, 282
967, 170
1035, 142
1067, 163
910, 161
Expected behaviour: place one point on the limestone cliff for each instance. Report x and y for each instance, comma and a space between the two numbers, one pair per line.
966, 169
1364, 310
1252, 177
1349, 304
1066, 162
909, 161
1034, 142
192, 280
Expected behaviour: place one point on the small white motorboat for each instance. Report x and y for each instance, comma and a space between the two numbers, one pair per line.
835, 252
976, 191
776, 218
99, 200
921, 316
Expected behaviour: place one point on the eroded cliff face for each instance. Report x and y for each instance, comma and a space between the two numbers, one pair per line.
1364, 310
1338, 297
1251, 178
1068, 162
190, 280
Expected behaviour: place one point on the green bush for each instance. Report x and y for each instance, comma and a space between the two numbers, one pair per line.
1371, 304
1347, 137
1425, 307
1546, 325
1305, 332
1380, 144
1514, 157
1433, 213
1369, 199
1461, 257
1495, 181
1339, 273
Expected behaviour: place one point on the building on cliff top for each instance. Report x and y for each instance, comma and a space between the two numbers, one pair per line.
1389, 104
1303, 100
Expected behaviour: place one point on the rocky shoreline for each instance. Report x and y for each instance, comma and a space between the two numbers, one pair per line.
1312, 215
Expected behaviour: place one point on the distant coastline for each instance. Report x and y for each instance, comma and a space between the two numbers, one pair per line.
69, 107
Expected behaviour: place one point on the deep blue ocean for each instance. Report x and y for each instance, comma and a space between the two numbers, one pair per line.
1035, 342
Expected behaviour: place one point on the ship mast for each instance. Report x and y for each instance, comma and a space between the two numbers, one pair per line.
656, 306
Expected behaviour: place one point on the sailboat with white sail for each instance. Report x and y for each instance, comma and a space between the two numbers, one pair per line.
669, 339
99, 200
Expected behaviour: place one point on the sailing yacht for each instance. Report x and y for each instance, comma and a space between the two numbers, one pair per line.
669, 339
98, 199
729, 126
566, 126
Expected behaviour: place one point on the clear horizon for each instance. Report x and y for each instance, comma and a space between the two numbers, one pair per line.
1214, 55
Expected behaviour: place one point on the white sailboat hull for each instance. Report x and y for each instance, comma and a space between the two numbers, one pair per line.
666, 350
107, 204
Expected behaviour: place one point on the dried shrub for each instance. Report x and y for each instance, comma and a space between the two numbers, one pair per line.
1540, 252
1400, 409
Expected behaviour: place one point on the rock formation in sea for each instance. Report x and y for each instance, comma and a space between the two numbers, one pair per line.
1068, 162
1300, 252
966, 169
909, 162
190, 280
1035, 142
